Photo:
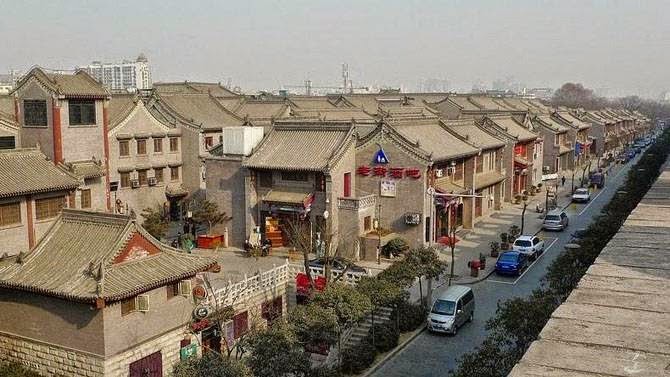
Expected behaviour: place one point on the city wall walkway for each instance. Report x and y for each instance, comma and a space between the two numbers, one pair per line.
617, 321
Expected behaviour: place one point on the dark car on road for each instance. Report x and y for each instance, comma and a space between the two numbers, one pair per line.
337, 264
577, 235
511, 263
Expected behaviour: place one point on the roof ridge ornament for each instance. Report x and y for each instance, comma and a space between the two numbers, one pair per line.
100, 279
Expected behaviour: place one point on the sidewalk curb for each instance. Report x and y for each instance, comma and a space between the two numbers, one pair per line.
394, 352
480, 279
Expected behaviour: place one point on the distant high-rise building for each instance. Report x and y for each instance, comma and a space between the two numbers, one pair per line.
8, 81
126, 75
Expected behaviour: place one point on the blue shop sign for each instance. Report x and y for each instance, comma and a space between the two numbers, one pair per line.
380, 157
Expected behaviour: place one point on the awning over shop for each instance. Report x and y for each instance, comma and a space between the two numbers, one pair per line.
446, 186
521, 161
488, 179
563, 150
175, 190
285, 196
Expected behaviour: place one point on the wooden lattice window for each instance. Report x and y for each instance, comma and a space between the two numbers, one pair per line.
10, 213
48, 207
35, 113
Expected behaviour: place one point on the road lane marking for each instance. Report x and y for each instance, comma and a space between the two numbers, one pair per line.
546, 248
591, 202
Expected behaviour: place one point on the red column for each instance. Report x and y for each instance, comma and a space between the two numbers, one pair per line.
105, 138
16, 109
57, 135
31, 225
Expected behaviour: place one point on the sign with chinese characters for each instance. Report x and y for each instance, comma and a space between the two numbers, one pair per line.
392, 172
387, 188
412, 218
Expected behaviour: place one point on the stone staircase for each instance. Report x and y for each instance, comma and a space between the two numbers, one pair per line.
360, 331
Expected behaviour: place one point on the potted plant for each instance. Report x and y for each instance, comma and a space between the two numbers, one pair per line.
532, 191
513, 233
495, 249
539, 186
504, 245
524, 195
517, 198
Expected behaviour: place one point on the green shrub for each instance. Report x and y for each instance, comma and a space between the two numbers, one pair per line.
358, 358
16, 370
323, 372
385, 337
410, 316
395, 246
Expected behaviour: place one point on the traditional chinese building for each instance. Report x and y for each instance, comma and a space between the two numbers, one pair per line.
522, 158
66, 115
32, 193
558, 143
146, 167
98, 296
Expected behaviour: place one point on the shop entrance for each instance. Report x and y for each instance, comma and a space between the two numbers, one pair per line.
277, 226
211, 340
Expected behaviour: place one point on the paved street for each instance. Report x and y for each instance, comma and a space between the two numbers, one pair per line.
429, 353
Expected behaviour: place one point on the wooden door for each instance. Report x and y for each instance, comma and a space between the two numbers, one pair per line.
478, 205
149, 366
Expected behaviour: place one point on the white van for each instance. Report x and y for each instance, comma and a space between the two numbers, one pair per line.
451, 310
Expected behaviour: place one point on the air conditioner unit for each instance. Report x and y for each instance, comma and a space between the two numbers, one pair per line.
439, 173
142, 303
185, 288
135, 183
152, 181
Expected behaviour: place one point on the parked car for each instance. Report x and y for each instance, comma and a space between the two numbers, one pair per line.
555, 220
338, 265
581, 195
577, 235
597, 179
451, 310
532, 246
511, 263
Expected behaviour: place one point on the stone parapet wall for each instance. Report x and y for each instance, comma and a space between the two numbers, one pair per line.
49, 359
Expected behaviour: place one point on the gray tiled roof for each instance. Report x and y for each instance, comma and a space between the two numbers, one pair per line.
551, 124
187, 87
436, 139
120, 106
260, 109
469, 130
85, 169
7, 108
581, 125
201, 109
27, 171
80, 84
335, 114
464, 103
301, 147
67, 261
513, 128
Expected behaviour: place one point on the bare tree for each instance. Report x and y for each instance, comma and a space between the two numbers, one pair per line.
302, 236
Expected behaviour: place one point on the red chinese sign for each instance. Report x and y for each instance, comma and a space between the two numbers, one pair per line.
393, 172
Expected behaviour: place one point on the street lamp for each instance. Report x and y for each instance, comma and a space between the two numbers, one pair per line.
523, 214
377, 227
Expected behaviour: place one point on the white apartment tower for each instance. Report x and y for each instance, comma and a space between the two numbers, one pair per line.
127, 75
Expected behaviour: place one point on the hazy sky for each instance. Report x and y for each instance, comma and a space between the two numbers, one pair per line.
621, 45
